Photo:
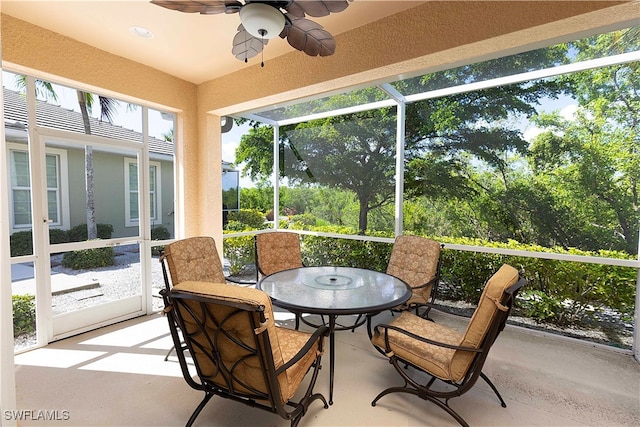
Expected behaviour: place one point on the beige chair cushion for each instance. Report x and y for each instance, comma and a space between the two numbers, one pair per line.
277, 251
250, 370
433, 359
291, 341
484, 315
448, 364
194, 258
414, 259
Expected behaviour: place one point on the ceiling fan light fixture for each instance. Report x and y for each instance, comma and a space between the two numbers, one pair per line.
261, 20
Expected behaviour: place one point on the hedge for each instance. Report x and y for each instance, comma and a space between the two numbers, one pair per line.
21, 242
558, 292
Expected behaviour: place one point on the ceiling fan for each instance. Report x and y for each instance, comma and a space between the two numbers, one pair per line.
262, 20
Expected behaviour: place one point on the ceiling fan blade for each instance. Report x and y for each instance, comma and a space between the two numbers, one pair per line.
316, 8
204, 7
246, 46
309, 37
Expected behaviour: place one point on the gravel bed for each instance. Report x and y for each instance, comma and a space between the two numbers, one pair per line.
610, 330
115, 282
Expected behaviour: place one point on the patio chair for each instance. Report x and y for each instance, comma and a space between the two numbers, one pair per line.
443, 353
237, 350
277, 251
417, 261
193, 258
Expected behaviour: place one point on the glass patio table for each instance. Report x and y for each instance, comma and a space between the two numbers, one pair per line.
332, 292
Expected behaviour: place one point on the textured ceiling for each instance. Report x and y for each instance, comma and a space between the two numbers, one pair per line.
194, 47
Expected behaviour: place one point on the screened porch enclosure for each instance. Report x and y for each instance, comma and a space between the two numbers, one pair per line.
527, 158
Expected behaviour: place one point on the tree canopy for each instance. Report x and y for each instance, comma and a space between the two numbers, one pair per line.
468, 168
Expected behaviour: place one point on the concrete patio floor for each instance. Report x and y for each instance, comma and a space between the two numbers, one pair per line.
116, 376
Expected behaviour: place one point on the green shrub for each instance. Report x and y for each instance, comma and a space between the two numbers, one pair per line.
538, 305
235, 226
89, 258
159, 233
318, 250
304, 221
21, 243
58, 236
250, 218
79, 232
567, 292
240, 253
24, 314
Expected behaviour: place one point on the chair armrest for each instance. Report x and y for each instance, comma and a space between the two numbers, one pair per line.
424, 285
419, 338
418, 305
317, 335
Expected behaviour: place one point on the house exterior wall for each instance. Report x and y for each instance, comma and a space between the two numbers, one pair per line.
168, 197
77, 202
111, 191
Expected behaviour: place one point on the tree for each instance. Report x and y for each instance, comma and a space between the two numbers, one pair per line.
107, 108
444, 137
595, 156
85, 102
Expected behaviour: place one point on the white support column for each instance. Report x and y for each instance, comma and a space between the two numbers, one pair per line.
145, 214
7, 367
402, 107
401, 103
276, 176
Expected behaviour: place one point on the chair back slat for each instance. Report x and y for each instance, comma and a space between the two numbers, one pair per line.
277, 251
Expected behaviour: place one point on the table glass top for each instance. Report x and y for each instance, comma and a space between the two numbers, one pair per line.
334, 289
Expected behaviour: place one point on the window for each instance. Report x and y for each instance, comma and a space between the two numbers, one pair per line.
21, 187
131, 191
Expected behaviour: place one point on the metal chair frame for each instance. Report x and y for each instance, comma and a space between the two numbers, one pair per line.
260, 350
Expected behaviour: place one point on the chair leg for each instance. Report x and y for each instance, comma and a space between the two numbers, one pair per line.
493, 387
207, 396
438, 402
298, 321
169, 352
